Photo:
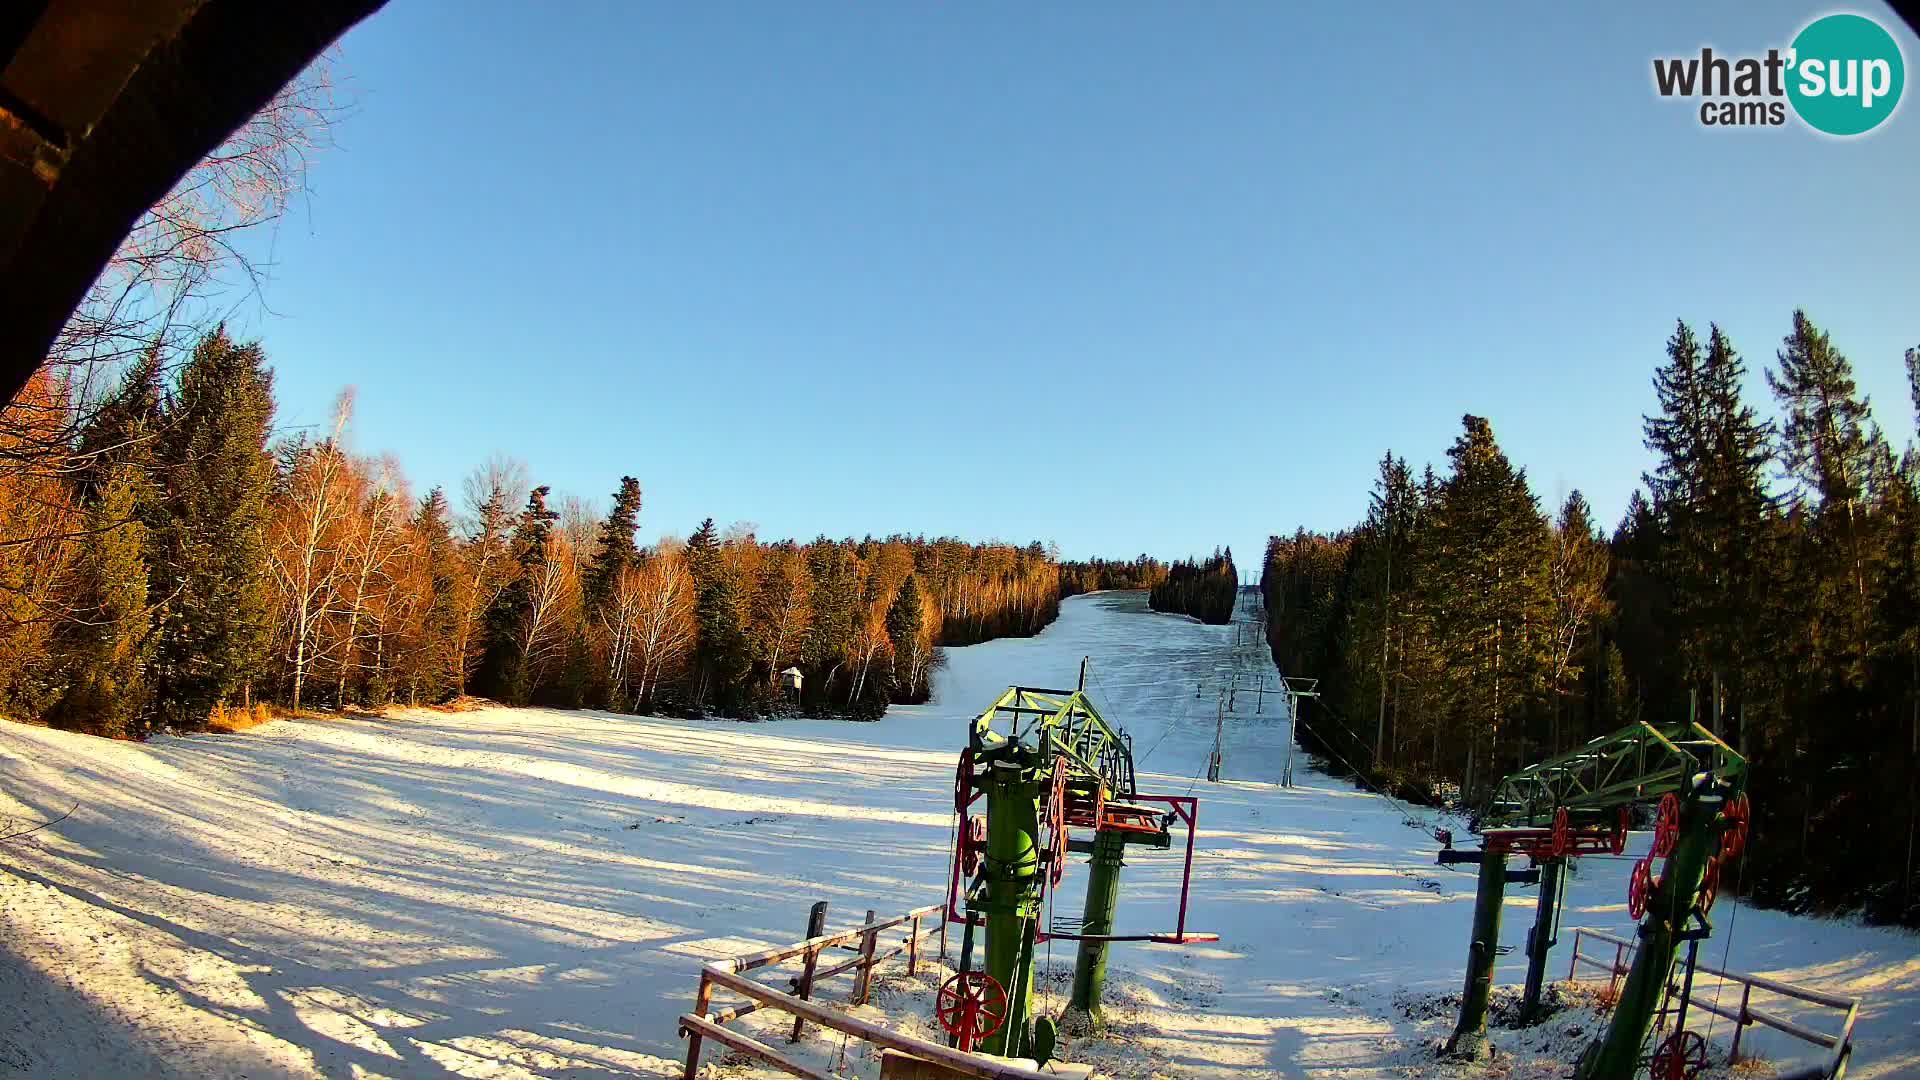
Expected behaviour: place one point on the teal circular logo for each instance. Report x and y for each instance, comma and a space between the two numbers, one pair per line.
1845, 74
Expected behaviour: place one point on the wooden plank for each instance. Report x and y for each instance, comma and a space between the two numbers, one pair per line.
698, 1026
863, 976
749, 961
816, 922
968, 1064
1781, 1023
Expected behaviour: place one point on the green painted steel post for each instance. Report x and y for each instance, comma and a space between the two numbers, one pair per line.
1103, 895
1472, 1029
1011, 860
1617, 1055
1540, 938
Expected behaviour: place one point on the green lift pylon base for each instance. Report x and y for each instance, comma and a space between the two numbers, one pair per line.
1011, 902
1103, 895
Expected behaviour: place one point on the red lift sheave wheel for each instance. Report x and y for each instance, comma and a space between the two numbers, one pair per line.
972, 1005
1666, 826
1710, 885
1640, 888
1739, 815
1620, 832
973, 841
1682, 1056
963, 782
1562, 833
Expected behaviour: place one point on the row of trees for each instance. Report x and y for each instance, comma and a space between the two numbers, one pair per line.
1205, 590
162, 555
1766, 581
1095, 575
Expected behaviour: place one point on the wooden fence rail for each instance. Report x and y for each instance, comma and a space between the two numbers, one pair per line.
729, 975
1839, 1045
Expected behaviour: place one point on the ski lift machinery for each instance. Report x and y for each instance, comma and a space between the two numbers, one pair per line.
1042, 763
1579, 803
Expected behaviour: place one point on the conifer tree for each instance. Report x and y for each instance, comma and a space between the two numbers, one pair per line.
109, 639
1832, 454
431, 658
213, 631
503, 670
903, 633
616, 550
720, 656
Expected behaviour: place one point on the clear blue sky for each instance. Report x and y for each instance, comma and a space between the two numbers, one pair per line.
1121, 276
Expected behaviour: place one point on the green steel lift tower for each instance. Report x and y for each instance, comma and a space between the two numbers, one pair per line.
1043, 762
1579, 803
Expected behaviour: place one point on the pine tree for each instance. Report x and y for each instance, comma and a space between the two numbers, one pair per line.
904, 620
214, 628
1709, 495
616, 550
721, 655
503, 669
431, 658
1833, 458
111, 631
1489, 577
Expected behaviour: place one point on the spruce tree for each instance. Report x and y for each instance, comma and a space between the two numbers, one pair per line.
903, 635
1709, 495
434, 671
721, 656
110, 637
616, 551
503, 674
211, 569
1832, 455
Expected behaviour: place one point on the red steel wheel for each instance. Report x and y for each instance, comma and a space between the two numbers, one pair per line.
1640, 888
1739, 815
963, 781
973, 841
970, 1006
1682, 1056
1666, 826
1619, 839
1562, 833
1710, 885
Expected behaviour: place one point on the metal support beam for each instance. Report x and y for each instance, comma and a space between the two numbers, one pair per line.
1012, 859
1471, 1032
1540, 939
1103, 895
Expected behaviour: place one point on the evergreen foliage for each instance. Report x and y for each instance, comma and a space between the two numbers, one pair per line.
1765, 583
1205, 590
1095, 575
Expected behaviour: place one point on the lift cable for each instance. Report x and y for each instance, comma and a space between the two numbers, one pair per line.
1408, 817
1726, 954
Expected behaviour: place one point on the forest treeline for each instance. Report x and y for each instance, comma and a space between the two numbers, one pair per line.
162, 555
1094, 575
1765, 580
1205, 589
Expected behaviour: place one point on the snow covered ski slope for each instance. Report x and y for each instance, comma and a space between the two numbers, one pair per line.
527, 892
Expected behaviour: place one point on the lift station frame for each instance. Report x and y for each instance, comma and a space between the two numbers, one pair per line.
1579, 803
1045, 762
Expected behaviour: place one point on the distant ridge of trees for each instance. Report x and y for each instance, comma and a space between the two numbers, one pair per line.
1095, 575
1765, 580
162, 555
1205, 589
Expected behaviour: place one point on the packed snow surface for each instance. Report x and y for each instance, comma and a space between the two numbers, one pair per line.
514, 892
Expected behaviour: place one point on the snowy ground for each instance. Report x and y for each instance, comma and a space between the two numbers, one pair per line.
527, 892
